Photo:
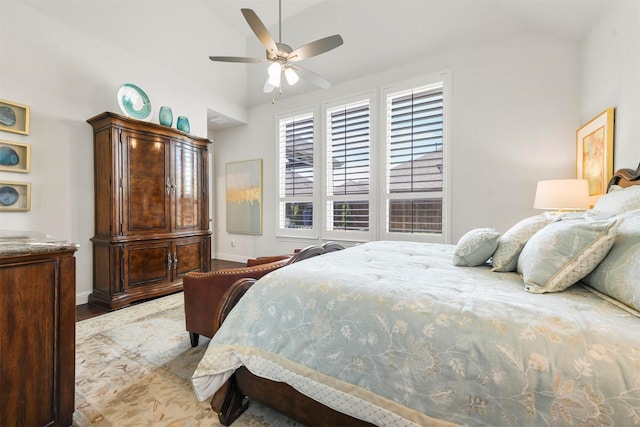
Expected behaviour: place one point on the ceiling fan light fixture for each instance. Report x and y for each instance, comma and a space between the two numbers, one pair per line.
279, 55
274, 79
291, 76
268, 88
274, 69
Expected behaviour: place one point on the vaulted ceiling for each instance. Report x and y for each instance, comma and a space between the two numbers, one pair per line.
378, 34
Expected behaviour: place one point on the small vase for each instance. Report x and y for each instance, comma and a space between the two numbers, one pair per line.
183, 124
165, 116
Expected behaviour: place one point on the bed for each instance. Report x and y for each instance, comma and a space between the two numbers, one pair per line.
534, 326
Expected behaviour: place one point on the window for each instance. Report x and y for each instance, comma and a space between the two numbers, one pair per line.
414, 161
352, 180
348, 168
296, 172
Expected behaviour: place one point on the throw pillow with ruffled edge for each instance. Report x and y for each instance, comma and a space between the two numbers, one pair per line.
510, 244
475, 247
564, 252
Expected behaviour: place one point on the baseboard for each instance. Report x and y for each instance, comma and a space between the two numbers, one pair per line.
230, 257
82, 297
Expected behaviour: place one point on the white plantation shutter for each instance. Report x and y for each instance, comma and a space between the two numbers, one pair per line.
296, 172
415, 163
348, 167
375, 169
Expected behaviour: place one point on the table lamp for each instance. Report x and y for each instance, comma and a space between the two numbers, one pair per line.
562, 195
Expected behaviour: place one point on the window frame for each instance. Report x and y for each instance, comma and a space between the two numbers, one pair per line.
444, 236
352, 235
378, 182
299, 233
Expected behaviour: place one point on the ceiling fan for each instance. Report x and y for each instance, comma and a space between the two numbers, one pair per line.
284, 60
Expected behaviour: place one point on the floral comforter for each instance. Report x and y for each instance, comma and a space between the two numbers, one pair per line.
393, 333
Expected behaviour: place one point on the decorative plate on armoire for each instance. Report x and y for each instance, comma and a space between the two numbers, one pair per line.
134, 102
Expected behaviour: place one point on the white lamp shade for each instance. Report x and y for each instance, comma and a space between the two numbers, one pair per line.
274, 75
274, 80
291, 76
268, 87
274, 69
562, 194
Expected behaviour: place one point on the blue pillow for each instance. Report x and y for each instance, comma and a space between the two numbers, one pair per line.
564, 252
618, 275
505, 258
475, 247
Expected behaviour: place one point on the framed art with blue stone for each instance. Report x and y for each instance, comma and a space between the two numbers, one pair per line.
15, 196
15, 157
14, 117
244, 197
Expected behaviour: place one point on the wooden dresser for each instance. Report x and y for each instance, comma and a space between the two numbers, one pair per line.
37, 330
151, 209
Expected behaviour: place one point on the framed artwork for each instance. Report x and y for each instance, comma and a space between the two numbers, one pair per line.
594, 153
14, 117
244, 197
15, 196
15, 157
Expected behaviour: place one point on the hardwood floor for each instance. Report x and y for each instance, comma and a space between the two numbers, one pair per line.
86, 311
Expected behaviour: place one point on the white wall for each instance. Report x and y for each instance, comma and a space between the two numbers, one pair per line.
66, 77
611, 78
514, 115
516, 105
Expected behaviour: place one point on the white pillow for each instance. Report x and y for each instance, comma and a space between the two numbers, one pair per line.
505, 258
475, 247
619, 201
564, 252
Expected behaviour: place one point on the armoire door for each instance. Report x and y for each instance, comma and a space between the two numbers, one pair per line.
147, 263
190, 255
145, 186
189, 208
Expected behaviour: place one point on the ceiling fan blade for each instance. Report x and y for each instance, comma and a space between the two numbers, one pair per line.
315, 48
312, 77
260, 31
238, 59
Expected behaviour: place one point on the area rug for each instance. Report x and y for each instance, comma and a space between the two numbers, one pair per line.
133, 368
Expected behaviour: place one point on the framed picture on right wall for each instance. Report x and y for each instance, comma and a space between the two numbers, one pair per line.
594, 153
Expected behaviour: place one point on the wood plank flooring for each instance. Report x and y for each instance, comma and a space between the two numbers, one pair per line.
86, 311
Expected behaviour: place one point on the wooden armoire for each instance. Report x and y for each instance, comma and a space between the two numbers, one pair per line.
151, 209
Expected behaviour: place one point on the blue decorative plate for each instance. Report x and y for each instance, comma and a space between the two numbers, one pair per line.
134, 102
8, 156
8, 196
7, 116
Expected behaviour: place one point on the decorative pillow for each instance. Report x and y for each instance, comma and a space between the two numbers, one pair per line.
564, 252
476, 247
505, 258
618, 275
619, 201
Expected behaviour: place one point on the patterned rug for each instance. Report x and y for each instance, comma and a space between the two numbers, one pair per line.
133, 368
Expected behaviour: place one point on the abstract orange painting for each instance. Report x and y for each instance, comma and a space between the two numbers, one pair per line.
594, 153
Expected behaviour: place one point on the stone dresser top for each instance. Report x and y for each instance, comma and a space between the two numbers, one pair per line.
14, 242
